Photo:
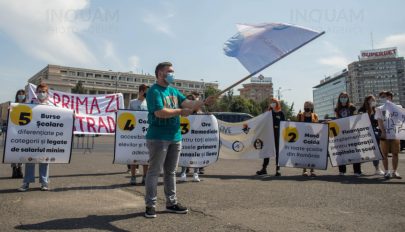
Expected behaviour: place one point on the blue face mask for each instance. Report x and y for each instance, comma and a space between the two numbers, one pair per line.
170, 78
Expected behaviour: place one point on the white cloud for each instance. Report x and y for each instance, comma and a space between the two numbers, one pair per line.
334, 61
334, 57
134, 62
159, 23
47, 30
397, 40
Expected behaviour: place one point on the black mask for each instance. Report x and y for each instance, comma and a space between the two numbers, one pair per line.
307, 110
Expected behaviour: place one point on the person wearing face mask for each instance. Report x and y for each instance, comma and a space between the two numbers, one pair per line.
163, 138
387, 145
278, 116
42, 99
368, 107
308, 116
140, 105
344, 108
17, 168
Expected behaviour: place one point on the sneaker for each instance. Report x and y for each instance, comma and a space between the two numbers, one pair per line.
278, 174
313, 174
396, 175
305, 174
201, 171
150, 212
379, 172
341, 173
183, 177
44, 188
177, 209
132, 181
387, 175
261, 172
25, 187
195, 177
358, 174
143, 180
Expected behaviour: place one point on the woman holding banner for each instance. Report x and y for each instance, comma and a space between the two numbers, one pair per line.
368, 107
278, 116
344, 108
308, 116
42, 98
17, 168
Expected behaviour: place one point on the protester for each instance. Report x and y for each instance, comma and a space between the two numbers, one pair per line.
278, 116
344, 108
308, 116
368, 107
163, 139
17, 168
140, 105
42, 99
185, 170
387, 145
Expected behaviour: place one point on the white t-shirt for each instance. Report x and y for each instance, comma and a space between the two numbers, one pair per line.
380, 111
136, 104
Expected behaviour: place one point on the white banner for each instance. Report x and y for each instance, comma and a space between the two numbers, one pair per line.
303, 145
38, 134
95, 114
251, 139
394, 118
352, 140
200, 142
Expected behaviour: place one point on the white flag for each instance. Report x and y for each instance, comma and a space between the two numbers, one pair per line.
259, 46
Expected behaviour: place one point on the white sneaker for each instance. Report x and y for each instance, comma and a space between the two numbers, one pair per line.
25, 187
195, 177
183, 177
379, 172
396, 175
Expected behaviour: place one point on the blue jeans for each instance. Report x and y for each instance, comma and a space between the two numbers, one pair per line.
162, 154
29, 176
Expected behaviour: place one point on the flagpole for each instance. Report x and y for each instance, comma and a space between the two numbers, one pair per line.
274, 61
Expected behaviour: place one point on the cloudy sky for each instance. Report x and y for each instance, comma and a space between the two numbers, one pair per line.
126, 35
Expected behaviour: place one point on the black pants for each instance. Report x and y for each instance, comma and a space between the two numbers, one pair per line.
356, 168
266, 161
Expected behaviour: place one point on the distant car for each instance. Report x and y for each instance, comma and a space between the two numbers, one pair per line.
232, 116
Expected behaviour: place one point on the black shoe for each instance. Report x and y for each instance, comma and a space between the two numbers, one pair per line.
261, 172
150, 212
201, 171
177, 209
278, 174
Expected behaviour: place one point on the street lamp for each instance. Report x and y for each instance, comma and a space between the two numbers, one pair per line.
279, 91
118, 74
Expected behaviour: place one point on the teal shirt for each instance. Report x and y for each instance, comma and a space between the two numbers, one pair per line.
157, 98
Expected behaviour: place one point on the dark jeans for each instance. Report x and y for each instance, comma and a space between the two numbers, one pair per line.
356, 168
266, 161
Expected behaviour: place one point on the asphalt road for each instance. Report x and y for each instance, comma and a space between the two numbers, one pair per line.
92, 194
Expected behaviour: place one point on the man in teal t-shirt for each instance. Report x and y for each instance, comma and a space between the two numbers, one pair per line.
163, 139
